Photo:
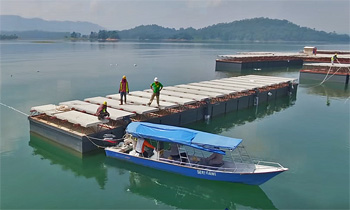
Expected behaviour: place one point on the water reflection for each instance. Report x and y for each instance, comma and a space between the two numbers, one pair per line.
264, 71
328, 89
189, 193
88, 166
241, 117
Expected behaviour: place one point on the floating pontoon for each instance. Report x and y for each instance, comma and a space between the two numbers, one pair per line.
74, 123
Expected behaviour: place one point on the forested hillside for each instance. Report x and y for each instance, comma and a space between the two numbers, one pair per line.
257, 29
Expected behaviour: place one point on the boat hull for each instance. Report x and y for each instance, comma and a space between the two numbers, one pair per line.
246, 178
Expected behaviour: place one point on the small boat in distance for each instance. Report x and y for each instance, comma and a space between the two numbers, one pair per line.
195, 150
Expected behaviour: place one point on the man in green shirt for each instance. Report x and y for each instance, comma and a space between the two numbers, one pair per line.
156, 86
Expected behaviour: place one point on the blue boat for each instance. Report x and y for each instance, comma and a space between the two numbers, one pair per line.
195, 150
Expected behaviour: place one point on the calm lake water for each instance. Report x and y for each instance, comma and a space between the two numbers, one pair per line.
308, 134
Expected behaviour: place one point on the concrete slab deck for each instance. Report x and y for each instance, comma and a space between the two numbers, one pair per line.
236, 85
74, 102
246, 83
115, 114
194, 86
143, 101
271, 78
49, 109
139, 109
84, 120
193, 91
166, 98
217, 83
196, 97
338, 65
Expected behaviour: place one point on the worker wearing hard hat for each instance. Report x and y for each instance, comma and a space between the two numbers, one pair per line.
102, 111
333, 58
123, 89
156, 86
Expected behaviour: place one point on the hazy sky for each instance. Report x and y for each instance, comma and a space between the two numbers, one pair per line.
326, 15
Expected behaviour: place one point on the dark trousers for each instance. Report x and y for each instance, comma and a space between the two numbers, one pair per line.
102, 115
121, 97
146, 154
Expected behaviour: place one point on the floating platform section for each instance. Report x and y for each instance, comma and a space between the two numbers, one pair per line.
256, 61
261, 60
165, 98
75, 125
326, 72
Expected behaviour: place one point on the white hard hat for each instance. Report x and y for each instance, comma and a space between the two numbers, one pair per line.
156, 79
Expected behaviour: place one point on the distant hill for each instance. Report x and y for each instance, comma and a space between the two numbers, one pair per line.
257, 29
265, 29
17, 23
153, 32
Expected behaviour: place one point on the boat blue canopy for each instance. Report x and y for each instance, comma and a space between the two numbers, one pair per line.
193, 138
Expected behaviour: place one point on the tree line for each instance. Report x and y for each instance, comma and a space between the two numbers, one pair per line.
8, 37
102, 35
256, 29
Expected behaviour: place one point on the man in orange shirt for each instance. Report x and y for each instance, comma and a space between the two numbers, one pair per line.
140, 147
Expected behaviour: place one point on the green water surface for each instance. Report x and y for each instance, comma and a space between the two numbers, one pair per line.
309, 133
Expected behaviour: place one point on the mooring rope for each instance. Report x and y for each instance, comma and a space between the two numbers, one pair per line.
10, 107
325, 78
330, 76
90, 137
103, 139
102, 147
346, 67
346, 100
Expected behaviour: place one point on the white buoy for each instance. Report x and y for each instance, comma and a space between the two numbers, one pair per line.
135, 64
